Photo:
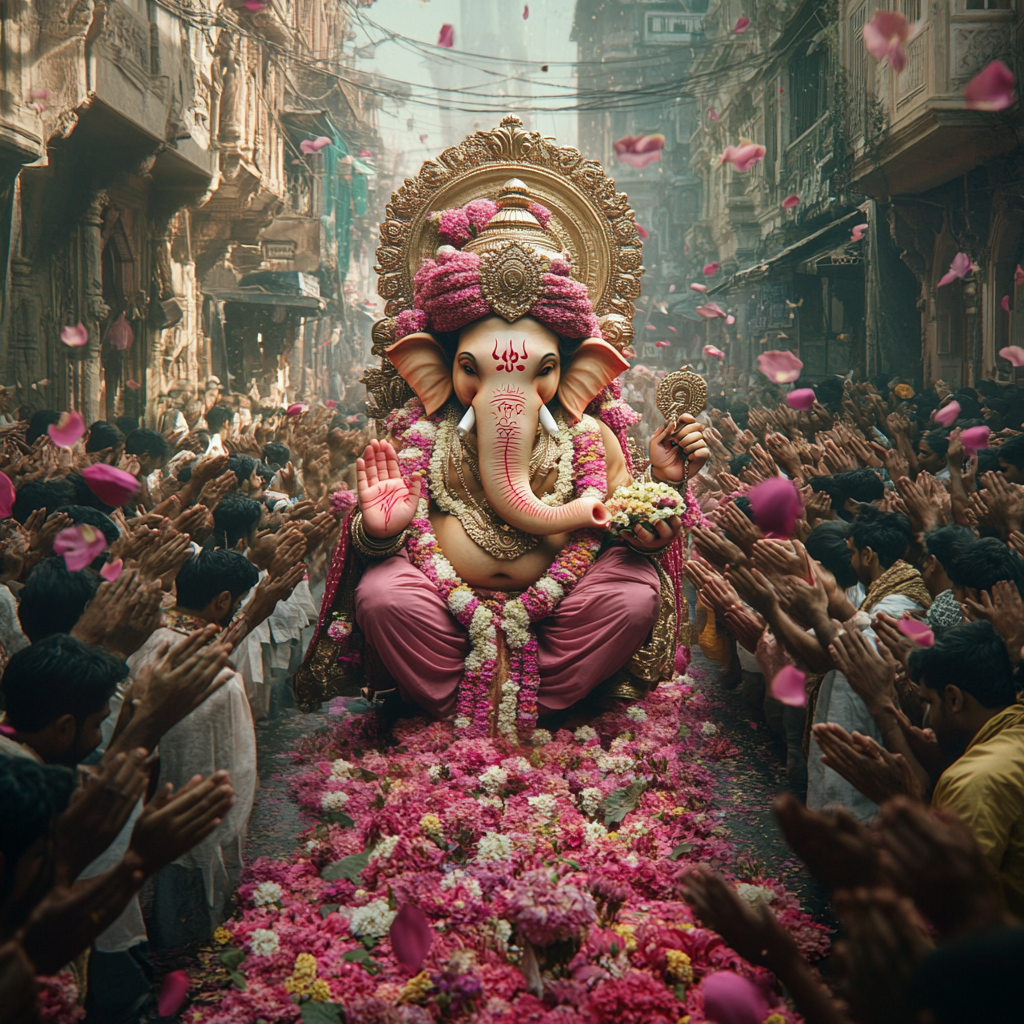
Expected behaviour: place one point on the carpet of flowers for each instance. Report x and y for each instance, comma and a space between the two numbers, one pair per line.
547, 873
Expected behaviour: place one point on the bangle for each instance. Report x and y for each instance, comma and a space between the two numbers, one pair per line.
371, 547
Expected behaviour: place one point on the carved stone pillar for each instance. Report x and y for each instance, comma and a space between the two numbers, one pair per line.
96, 310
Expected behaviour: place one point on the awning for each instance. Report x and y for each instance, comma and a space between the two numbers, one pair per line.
363, 168
262, 298
312, 123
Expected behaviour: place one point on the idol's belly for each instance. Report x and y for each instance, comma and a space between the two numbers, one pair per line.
479, 569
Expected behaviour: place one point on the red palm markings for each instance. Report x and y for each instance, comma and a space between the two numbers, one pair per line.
387, 500
509, 358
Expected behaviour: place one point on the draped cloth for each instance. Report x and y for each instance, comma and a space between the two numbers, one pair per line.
900, 578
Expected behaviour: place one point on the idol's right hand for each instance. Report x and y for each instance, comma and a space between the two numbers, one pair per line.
387, 502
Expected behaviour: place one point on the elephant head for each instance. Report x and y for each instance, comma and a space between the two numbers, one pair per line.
506, 373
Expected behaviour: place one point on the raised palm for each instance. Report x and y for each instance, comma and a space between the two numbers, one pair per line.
387, 502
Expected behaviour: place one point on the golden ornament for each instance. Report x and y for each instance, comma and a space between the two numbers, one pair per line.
682, 392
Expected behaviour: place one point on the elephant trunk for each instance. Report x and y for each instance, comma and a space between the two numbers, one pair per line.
506, 426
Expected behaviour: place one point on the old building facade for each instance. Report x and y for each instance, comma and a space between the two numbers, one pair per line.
186, 183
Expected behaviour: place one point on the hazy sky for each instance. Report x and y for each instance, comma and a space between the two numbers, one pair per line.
493, 28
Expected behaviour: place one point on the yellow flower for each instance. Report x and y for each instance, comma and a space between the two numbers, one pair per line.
626, 931
902, 391
221, 935
777, 1018
430, 826
320, 991
680, 967
417, 989
305, 966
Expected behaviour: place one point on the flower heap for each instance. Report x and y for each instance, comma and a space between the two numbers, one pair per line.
643, 501
547, 874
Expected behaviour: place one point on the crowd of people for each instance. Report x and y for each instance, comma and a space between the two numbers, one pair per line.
876, 633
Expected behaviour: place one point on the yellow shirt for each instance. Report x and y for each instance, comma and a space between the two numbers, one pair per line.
985, 788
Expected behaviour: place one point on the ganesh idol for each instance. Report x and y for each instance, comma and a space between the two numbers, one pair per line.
477, 575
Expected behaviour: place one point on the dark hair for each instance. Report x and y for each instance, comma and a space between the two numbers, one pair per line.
210, 573
126, 424
827, 485
971, 656
53, 598
946, 541
862, 485
826, 543
829, 391
938, 441
984, 563
742, 502
143, 441
37, 494
57, 676
31, 797
988, 388
103, 435
740, 413
276, 454
93, 517
738, 463
970, 407
886, 533
988, 460
41, 419
1012, 451
234, 518
217, 417
243, 466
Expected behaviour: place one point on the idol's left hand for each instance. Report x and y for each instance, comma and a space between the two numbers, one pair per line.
643, 540
678, 450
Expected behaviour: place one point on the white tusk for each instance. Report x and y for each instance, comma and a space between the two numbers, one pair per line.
547, 421
467, 423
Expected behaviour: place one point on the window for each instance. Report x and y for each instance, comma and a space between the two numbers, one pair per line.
806, 92
666, 27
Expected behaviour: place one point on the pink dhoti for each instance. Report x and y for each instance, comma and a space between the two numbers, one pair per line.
593, 632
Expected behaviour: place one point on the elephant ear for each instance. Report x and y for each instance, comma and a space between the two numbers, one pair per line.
595, 365
421, 364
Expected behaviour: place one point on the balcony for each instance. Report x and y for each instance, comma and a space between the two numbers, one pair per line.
806, 165
911, 132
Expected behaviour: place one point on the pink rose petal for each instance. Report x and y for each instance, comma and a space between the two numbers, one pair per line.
639, 151
112, 570
296, 409
713, 115
730, 319
948, 413
662, 344
743, 157
650, 327
671, 288
710, 311
699, 287
134, 385
1018, 276
858, 232
802, 398
788, 687
731, 999
7, 496
776, 506
642, 231
1014, 353
446, 37
975, 438
710, 269
960, 266
253, 6
411, 937
526, 13
885, 36
672, 329
780, 367
40, 94
1005, 303
121, 334
331, 403
990, 89
74, 336
111, 485
790, 201
175, 985
67, 430
917, 631
741, 26
79, 545
712, 352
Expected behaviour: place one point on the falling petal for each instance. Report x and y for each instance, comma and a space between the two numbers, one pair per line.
1005, 303
713, 115
710, 269
306, 146
67, 430
331, 403
297, 409
254, 6
79, 545
686, 249
639, 151
40, 94
975, 438
959, 268
75, 336
780, 367
776, 506
712, 352
671, 288
642, 232
1014, 353
662, 344
121, 334
858, 232
111, 485
672, 329
699, 287
885, 36
990, 89
743, 157
628, 353
526, 13
710, 311
947, 414
6, 496
917, 631
1018, 276
730, 319
650, 327
446, 37
790, 201
741, 26
543, 67
175, 985
789, 687
321, 142
423, 138
110, 572
802, 398
411, 937
133, 384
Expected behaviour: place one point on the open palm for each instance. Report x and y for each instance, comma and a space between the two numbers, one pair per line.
387, 502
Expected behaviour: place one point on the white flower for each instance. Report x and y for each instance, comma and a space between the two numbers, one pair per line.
540, 737
459, 599
493, 778
374, 920
619, 744
594, 830
632, 860
263, 942
461, 722
590, 800
584, 734
518, 764
545, 804
508, 709
434, 772
494, 846
424, 428
502, 931
551, 587
490, 801
755, 895
384, 849
708, 729
342, 769
459, 877
637, 713
333, 801
267, 893
312, 846
614, 763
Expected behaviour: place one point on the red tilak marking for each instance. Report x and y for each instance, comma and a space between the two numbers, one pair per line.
509, 358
